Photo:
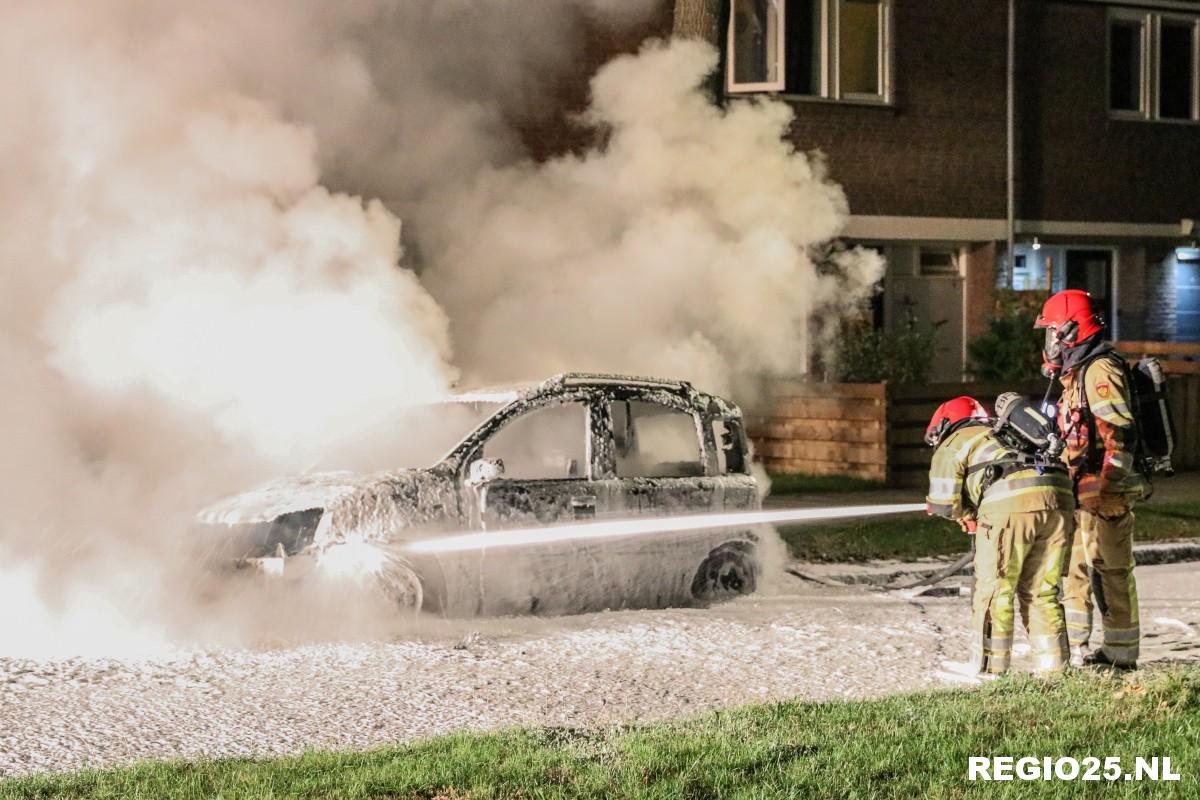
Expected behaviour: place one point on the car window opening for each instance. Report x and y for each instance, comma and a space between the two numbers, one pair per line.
547, 443
655, 441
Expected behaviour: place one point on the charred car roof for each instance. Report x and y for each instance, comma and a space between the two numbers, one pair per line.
567, 381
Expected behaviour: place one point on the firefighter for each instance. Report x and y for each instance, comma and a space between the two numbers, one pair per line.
1021, 517
1096, 418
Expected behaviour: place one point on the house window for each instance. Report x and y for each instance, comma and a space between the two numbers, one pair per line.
756, 45
830, 49
1152, 66
860, 46
937, 261
1126, 64
1176, 69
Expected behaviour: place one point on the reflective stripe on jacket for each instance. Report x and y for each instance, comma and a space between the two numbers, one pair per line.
956, 479
1096, 413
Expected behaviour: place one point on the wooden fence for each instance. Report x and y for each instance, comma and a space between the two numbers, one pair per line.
1181, 362
823, 429
876, 430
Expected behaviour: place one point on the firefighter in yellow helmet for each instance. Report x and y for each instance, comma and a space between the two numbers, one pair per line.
1096, 416
1021, 516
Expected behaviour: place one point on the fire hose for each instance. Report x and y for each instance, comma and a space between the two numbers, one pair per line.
935, 578
929, 579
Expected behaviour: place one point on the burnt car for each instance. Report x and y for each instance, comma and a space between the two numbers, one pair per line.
573, 448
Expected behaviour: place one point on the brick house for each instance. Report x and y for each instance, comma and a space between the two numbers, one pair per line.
909, 101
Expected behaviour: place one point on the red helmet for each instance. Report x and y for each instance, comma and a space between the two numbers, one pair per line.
950, 415
1067, 307
1069, 318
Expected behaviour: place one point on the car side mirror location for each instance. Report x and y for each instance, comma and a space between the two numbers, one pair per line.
484, 470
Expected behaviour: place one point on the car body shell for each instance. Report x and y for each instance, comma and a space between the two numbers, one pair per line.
277, 525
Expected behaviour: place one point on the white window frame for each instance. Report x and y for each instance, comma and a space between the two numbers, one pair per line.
950, 250
1151, 67
780, 57
1192, 21
831, 18
1142, 19
829, 42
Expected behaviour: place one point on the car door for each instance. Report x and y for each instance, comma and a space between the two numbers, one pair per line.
546, 448
659, 459
654, 462
546, 452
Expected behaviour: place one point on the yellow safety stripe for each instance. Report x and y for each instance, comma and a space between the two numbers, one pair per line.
943, 488
1121, 656
1114, 412
1048, 662
1047, 641
1120, 459
1121, 635
995, 496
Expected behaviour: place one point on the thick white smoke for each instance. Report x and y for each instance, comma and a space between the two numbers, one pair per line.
683, 248
203, 278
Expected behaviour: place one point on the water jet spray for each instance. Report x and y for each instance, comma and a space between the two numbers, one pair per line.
609, 529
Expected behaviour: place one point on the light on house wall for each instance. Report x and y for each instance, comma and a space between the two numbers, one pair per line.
1036, 244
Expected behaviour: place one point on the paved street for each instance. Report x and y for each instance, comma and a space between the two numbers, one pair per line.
807, 641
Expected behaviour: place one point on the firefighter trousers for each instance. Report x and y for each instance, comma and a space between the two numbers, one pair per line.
1100, 573
1019, 556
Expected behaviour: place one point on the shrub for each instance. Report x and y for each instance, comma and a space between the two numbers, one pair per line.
1010, 350
866, 355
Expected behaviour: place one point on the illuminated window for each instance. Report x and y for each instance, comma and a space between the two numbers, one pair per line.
830, 49
1152, 65
860, 47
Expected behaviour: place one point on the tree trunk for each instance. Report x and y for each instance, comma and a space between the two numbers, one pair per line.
698, 19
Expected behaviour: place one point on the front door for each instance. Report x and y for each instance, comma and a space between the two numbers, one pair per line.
1091, 270
1187, 300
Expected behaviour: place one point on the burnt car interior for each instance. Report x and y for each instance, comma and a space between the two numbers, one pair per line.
545, 443
655, 441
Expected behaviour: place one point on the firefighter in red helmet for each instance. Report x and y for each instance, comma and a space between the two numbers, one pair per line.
1021, 516
1096, 418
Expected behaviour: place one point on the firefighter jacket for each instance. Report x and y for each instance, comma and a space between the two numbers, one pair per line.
1096, 415
970, 459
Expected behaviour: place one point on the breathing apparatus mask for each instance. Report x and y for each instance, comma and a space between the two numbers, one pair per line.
1058, 340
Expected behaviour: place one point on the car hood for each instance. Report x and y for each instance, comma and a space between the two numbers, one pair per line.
376, 506
282, 496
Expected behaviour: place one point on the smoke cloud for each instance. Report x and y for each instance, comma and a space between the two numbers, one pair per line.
683, 248
204, 281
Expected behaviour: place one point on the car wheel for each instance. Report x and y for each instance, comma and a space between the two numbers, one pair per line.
402, 587
728, 571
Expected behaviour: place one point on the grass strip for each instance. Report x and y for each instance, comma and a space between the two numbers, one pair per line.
918, 536
903, 746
